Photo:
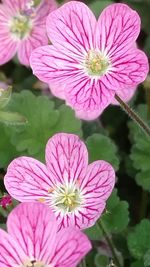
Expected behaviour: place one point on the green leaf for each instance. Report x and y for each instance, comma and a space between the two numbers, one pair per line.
116, 218
147, 258
137, 264
7, 150
140, 152
143, 179
101, 261
5, 95
139, 239
94, 232
98, 6
101, 147
12, 118
43, 122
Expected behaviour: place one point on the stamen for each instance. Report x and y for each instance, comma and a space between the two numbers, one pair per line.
50, 190
41, 199
67, 198
33, 263
20, 26
96, 64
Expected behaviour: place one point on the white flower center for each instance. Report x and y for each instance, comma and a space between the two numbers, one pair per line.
20, 26
96, 64
66, 198
33, 263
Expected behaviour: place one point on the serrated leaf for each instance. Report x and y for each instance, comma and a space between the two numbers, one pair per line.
139, 239
116, 218
12, 118
140, 152
94, 232
143, 179
101, 147
43, 122
5, 95
7, 150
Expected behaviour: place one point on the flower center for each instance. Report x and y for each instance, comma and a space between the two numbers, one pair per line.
96, 64
34, 263
67, 198
20, 26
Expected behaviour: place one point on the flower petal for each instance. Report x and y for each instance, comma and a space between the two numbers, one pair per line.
8, 49
128, 70
126, 94
15, 5
11, 254
58, 90
118, 27
96, 187
27, 179
53, 66
72, 246
86, 95
99, 181
38, 36
8, 46
72, 26
36, 39
44, 8
34, 227
88, 114
66, 157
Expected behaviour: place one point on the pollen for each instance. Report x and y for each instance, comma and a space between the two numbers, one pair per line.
50, 190
67, 198
41, 199
20, 26
96, 64
33, 263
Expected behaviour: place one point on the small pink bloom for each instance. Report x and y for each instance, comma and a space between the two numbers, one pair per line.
75, 191
21, 31
90, 60
32, 240
5, 201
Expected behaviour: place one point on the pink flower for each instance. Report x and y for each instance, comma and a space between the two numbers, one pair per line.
21, 31
5, 201
32, 240
90, 60
75, 191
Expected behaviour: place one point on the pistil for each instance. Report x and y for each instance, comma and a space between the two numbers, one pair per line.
96, 64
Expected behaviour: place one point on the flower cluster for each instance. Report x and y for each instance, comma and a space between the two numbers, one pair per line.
90, 61
21, 31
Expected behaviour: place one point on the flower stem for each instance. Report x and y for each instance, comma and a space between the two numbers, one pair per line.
134, 116
110, 244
